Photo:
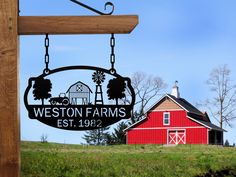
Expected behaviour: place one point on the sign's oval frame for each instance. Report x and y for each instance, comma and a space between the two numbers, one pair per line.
105, 121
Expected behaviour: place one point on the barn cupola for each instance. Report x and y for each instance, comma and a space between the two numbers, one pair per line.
175, 90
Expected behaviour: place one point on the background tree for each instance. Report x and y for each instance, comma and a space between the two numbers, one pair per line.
146, 88
118, 135
42, 87
97, 136
44, 138
116, 89
223, 104
226, 143
109, 139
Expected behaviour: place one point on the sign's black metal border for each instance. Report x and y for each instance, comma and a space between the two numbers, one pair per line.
83, 122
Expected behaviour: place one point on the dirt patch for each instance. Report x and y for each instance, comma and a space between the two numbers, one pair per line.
219, 173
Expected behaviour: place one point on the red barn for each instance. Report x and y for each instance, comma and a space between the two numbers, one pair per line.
173, 120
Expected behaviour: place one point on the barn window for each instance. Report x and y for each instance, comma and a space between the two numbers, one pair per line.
79, 88
166, 118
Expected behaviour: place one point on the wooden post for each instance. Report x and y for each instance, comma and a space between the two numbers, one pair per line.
9, 98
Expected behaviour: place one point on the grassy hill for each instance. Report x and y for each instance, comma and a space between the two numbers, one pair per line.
58, 160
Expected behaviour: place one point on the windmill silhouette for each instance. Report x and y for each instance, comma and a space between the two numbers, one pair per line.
98, 77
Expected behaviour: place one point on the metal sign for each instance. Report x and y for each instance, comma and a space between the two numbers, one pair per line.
74, 108
87, 104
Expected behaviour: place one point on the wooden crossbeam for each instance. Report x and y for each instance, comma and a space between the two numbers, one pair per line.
33, 25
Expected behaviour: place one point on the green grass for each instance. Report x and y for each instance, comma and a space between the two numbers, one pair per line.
58, 160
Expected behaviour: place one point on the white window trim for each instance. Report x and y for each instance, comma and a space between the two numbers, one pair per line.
164, 113
165, 128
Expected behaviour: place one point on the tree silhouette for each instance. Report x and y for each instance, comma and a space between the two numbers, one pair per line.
118, 136
223, 101
42, 87
226, 143
116, 88
97, 136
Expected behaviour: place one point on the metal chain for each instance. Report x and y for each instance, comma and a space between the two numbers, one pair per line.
46, 70
112, 56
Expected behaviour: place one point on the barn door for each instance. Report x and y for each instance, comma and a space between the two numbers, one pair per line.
176, 137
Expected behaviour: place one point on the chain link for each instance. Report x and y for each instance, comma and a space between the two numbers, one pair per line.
46, 44
112, 56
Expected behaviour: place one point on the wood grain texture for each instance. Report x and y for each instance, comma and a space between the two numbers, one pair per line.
29, 25
9, 112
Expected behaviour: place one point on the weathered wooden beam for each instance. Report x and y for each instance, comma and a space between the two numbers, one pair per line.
33, 25
9, 97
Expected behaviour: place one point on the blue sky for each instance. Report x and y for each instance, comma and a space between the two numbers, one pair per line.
175, 40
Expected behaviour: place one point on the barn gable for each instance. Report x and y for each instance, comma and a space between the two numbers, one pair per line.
170, 102
81, 83
166, 104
